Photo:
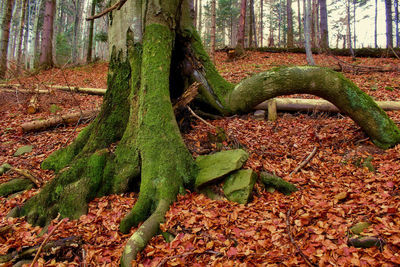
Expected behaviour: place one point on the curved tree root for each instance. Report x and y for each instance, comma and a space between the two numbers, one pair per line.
145, 232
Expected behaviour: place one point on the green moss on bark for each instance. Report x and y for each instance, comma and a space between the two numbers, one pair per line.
14, 186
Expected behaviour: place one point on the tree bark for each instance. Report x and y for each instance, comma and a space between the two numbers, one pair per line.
348, 29
307, 31
324, 24
289, 11
91, 29
21, 34
137, 119
389, 25
5, 29
396, 18
77, 18
376, 24
239, 50
213, 25
46, 51
299, 22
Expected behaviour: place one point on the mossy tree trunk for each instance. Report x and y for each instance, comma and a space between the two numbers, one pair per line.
135, 143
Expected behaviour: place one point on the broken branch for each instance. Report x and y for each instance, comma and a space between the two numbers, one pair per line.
304, 162
117, 6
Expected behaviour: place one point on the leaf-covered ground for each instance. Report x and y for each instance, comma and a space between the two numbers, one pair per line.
336, 189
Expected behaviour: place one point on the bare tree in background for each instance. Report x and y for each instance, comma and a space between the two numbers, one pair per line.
307, 31
5, 29
290, 41
46, 51
324, 24
389, 26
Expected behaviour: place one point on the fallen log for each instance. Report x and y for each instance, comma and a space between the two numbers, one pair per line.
56, 120
298, 104
90, 91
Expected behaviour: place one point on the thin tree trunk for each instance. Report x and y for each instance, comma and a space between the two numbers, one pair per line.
213, 22
46, 51
271, 28
389, 29
35, 38
199, 18
299, 22
396, 16
261, 22
195, 13
376, 24
21, 34
241, 28
91, 28
279, 23
76, 30
307, 31
290, 41
5, 29
324, 24
348, 36
354, 24
253, 36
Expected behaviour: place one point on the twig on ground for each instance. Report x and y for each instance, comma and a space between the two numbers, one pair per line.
304, 162
306, 259
164, 261
46, 240
200, 118
36, 181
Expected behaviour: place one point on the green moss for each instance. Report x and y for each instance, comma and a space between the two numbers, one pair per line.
14, 186
270, 180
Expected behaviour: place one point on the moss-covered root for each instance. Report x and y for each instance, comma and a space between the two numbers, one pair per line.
166, 164
143, 235
321, 82
14, 186
109, 125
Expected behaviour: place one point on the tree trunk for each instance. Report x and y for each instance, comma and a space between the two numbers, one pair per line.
376, 24
348, 28
389, 30
46, 51
5, 33
137, 116
324, 24
396, 18
213, 22
76, 30
261, 22
199, 18
299, 22
307, 31
239, 50
90, 38
21, 34
290, 41
271, 42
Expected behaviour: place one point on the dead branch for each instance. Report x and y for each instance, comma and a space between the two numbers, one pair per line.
27, 174
117, 6
46, 240
304, 162
394, 53
200, 118
305, 258
54, 121
345, 66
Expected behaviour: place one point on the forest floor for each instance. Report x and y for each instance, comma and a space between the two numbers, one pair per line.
336, 190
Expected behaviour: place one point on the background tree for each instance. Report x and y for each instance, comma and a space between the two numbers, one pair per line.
5, 32
91, 29
46, 51
21, 33
239, 50
389, 25
289, 11
307, 31
324, 24
396, 19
